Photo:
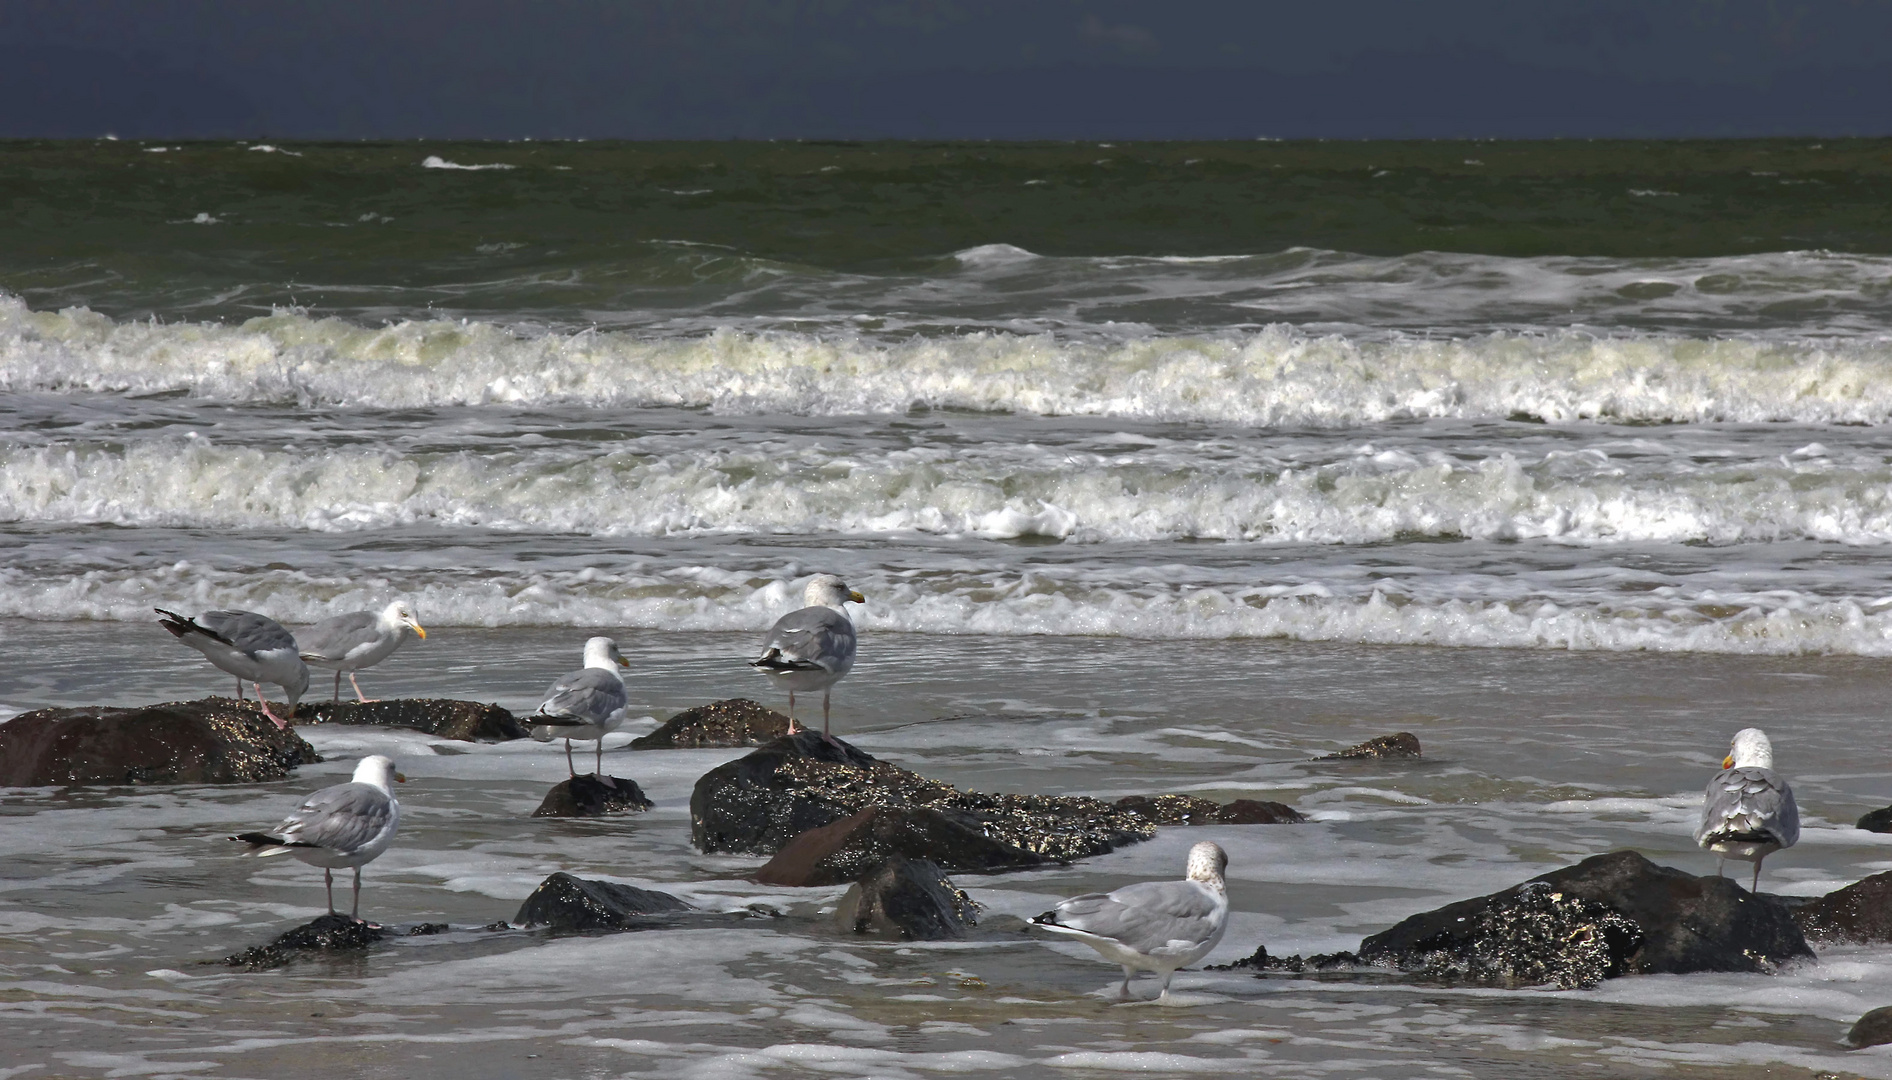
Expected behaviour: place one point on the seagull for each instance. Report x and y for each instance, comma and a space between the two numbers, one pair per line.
812, 648
359, 639
249, 646
1153, 925
1749, 812
345, 825
587, 704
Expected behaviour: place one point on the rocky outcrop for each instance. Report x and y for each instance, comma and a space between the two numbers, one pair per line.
592, 795
446, 718
852, 847
1879, 820
1872, 1029
330, 933
566, 903
1189, 810
758, 803
1397, 746
212, 741
735, 722
1860, 913
907, 900
1608, 915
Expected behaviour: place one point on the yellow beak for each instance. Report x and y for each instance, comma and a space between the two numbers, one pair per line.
400, 778
1728, 762
419, 629
623, 662
856, 597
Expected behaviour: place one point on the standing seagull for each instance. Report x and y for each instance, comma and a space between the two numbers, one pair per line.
345, 825
249, 646
812, 648
587, 704
359, 639
1153, 925
1749, 812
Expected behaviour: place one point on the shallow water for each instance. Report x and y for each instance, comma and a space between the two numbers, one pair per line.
112, 898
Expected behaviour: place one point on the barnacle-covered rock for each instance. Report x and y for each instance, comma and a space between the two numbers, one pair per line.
735, 722
1530, 936
1860, 913
446, 718
1190, 810
593, 795
852, 847
1401, 745
212, 741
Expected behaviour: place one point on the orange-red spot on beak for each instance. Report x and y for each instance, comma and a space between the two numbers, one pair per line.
1728, 762
400, 778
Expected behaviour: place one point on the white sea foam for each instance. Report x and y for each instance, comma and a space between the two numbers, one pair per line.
1273, 377
435, 161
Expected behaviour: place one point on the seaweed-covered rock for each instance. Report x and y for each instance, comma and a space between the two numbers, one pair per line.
1872, 1029
329, 933
1879, 820
211, 741
1860, 913
1687, 924
1190, 810
756, 804
592, 795
1399, 745
735, 722
446, 718
907, 899
568, 903
852, 847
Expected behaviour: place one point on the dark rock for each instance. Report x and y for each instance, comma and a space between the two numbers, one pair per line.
1564, 928
446, 718
1860, 913
329, 933
1879, 820
1872, 1029
909, 900
593, 796
567, 903
735, 722
1259, 960
212, 741
852, 847
756, 804
1402, 744
426, 929
1260, 812
1190, 810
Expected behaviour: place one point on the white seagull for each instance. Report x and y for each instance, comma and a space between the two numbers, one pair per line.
345, 825
1153, 925
359, 639
249, 646
1749, 812
812, 648
587, 704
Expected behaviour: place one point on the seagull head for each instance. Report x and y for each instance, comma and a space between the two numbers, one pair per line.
828, 590
1750, 750
400, 614
1207, 860
297, 685
603, 652
376, 770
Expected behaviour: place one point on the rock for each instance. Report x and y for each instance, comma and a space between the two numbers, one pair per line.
593, 796
1189, 810
1400, 745
1560, 924
329, 933
1872, 1029
567, 903
446, 718
852, 847
735, 722
1860, 913
212, 741
1259, 960
1879, 820
909, 900
756, 804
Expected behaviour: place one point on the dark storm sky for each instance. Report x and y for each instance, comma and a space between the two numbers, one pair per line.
937, 69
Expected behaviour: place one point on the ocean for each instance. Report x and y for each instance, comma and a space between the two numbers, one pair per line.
1164, 467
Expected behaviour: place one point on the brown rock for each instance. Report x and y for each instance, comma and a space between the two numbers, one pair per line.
1860, 913
446, 718
735, 722
593, 796
907, 900
1872, 1029
852, 847
1403, 744
212, 741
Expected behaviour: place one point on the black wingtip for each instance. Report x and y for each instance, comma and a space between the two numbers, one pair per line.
259, 840
180, 625
1049, 918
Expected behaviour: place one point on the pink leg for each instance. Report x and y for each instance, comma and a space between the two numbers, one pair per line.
239, 689
793, 727
358, 694
264, 702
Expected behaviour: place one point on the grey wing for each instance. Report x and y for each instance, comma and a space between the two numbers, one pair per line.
812, 637
346, 817
248, 632
588, 696
1749, 804
1146, 916
331, 639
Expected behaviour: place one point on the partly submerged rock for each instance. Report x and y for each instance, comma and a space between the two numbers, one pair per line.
593, 795
564, 902
1190, 810
1860, 913
212, 741
756, 804
1259, 960
907, 899
1872, 1029
735, 722
1561, 924
1879, 820
854, 846
446, 718
330, 933
1402, 744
